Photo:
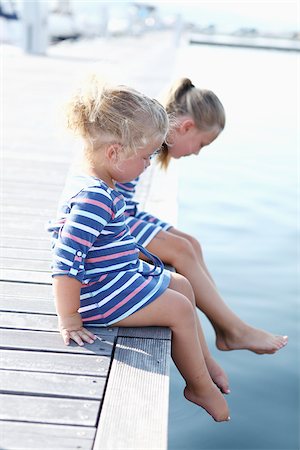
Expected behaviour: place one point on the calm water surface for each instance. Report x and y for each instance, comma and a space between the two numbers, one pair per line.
238, 197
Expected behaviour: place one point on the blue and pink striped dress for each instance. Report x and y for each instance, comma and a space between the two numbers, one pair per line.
143, 226
92, 243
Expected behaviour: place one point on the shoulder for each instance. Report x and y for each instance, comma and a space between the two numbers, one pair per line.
96, 193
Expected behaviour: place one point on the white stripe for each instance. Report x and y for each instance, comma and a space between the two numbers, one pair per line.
99, 190
89, 215
65, 247
106, 269
88, 308
120, 212
141, 303
60, 272
121, 289
64, 261
103, 288
116, 224
142, 232
149, 238
83, 227
112, 244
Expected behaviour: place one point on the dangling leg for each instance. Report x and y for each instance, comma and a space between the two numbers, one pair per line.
174, 310
231, 332
180, 284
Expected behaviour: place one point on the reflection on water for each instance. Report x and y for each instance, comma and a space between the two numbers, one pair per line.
239, 199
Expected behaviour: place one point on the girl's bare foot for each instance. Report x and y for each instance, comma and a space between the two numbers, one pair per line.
217, 374
249, 338
211, 400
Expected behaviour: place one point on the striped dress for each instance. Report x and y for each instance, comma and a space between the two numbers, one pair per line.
143, 226
92, 243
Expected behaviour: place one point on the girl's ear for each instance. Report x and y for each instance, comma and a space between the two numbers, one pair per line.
186, 125
112, 152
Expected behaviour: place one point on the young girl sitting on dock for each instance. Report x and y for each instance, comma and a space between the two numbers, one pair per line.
97, 275
200, 118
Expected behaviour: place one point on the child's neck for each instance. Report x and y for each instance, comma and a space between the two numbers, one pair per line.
98, 172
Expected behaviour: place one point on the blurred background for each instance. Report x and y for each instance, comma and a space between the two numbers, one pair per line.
239, 197
26, 22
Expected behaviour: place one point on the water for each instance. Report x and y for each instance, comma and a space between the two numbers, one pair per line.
238, 197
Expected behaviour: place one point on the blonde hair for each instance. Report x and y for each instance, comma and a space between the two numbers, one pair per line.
202, 105
103, 114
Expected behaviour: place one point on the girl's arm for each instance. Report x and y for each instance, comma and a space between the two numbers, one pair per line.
67, 302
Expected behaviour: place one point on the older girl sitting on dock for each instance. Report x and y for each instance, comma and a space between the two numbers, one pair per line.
200, 118
97, 275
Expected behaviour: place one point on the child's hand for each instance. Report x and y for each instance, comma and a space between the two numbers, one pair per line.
71, 328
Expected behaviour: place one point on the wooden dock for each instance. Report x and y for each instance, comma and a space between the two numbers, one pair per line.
112, 394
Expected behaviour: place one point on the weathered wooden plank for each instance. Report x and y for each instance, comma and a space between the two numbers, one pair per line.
23, 305
49, 410
24, 321
25, 254
35, 170
22, 360
25, 242
136, 417
51, 384
52, 342
46, 210
25, 276
10, 185
42, 322
24, 220
12, 196
145, 332
29, 264
25, 290
41, 436
29, 195
15, 228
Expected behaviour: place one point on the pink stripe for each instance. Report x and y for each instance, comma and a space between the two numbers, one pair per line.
116, 200
96, 203
76, 239
78, 258
115, 255
137, 223
126, 188
116, 307
97, 281
121, 234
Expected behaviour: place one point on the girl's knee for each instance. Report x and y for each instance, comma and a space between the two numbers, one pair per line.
183, 312
182, 285
195, 244
182, 251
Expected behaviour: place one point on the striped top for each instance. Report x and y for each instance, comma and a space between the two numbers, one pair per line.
92, 243
128, 192
142, 225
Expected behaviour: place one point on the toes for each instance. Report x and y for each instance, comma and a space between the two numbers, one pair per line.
222, 385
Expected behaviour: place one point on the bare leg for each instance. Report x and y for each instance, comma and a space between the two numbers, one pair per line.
174, 310
231, 332
219, 377
197, 250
